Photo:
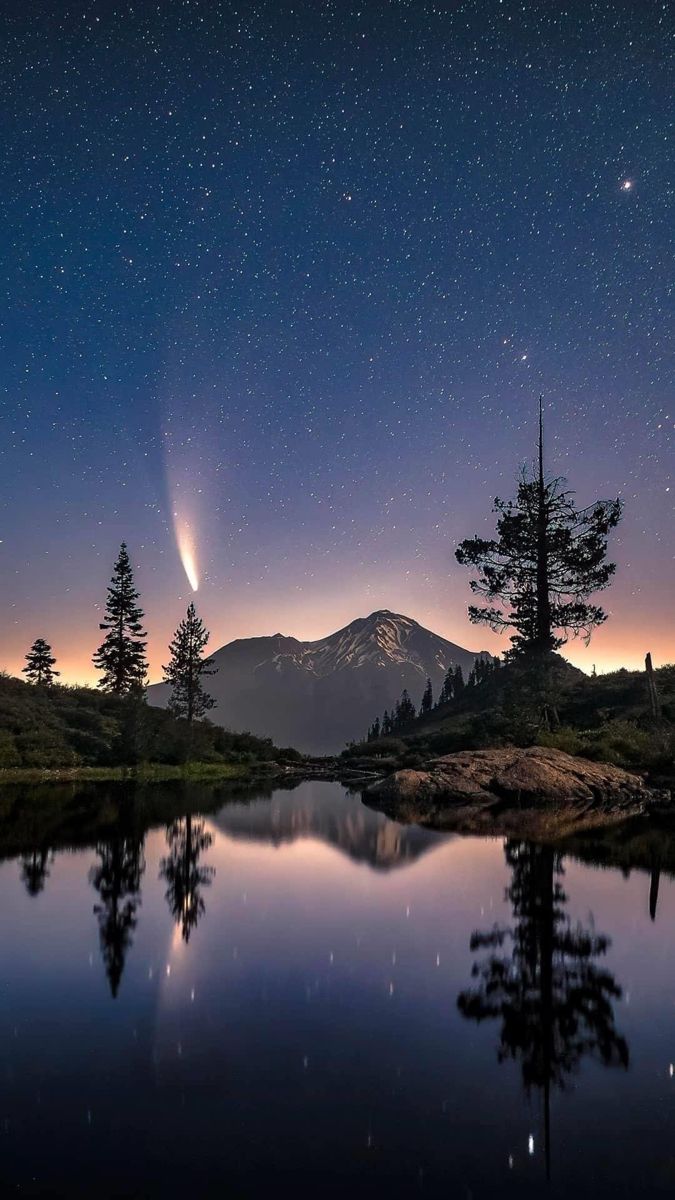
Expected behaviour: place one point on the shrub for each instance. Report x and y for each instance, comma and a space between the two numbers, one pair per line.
382, 748
66, 726
9, 755
289, 754
569, 740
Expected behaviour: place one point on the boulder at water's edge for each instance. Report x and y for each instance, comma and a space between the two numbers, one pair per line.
533, 791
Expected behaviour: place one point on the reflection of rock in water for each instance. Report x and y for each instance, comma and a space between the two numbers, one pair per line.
554, 1000
187, 841
117, 879
328, 813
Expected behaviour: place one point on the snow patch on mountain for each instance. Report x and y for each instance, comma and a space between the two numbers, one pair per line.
317, 695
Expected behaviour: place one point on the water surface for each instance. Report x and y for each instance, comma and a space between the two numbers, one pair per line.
214, 996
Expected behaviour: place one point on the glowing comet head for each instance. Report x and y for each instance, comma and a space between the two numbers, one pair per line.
186, 549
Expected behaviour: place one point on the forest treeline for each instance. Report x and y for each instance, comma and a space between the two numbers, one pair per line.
44, 725
404, 711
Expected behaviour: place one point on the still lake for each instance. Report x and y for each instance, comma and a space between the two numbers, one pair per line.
290, 990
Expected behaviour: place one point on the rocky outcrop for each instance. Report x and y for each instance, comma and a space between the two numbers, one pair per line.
533, 791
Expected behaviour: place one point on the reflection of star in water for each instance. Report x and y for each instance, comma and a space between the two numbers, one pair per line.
627, 185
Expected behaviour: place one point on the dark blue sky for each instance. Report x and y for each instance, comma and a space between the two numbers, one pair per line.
297, 272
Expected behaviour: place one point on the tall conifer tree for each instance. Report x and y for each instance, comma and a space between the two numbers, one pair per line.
447, 690
121, 655
187, 666
40, 664
427, 699
547, 559
405, 710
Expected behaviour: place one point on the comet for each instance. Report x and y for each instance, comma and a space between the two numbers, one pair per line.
185, 541
189, 470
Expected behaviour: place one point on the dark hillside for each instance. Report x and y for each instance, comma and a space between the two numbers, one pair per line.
606, 717
68, 727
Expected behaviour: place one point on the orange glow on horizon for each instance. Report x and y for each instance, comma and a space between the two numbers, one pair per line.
612, 647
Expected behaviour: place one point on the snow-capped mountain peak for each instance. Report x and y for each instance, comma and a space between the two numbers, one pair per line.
317, 695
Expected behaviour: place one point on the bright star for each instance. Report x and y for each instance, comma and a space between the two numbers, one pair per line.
627, 185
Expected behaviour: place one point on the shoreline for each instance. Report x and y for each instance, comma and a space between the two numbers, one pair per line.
196, 772
47, 808
143, 773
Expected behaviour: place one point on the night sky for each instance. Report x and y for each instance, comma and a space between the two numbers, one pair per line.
297, 273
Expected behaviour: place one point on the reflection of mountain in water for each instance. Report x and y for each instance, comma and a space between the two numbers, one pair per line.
329, 814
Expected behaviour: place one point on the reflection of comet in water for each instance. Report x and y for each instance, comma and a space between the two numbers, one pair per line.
185, 540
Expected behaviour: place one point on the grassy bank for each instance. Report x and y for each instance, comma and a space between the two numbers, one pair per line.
53, 813
143, 773
64, 733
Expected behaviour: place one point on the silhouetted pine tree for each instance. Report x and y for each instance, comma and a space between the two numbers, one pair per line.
40, 664
121, 655
405, 710
458, 684
546, 561
186, 667
427, 699
483, 668
448, 688
386, 724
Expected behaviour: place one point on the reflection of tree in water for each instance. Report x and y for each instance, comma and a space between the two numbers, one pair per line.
187, 841
117, 879
35, 871
654, 879
554, 1000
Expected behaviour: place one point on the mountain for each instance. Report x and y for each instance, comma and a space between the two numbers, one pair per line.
328, 814
317, 696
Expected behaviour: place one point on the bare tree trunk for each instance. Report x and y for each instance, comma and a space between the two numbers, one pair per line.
543, 596
654, 698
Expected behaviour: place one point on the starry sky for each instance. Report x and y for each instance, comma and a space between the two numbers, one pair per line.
282, 283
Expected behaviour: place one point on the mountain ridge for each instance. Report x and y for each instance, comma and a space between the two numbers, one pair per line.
318, 694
